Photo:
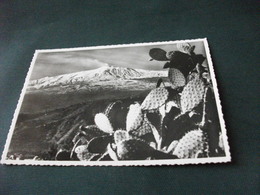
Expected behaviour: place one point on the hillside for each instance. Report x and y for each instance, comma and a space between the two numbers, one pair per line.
106, 73
104, 83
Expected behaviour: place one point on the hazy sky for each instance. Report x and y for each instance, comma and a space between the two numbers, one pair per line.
57, 63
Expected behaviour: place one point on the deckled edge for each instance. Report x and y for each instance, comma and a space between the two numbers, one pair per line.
169, 162
224, 159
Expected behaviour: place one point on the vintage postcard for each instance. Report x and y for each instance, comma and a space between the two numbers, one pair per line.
121, 105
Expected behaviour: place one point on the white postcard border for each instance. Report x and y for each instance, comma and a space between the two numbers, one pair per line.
224, 159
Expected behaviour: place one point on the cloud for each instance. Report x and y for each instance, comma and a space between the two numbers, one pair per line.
62, 63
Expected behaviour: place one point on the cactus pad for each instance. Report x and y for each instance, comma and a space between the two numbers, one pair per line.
82, 152
185, 47
192, 94
120, 135
176, 78
134, 117
155, 99
143, 129
192, 144
103, 123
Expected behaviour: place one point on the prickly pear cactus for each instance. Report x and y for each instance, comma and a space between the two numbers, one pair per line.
120, 135
133, 149
169, 55
143, 129
185, 47
109, 108
155, 99
192, 145
192, 94
176, 78
116, 114
103, 123
166, 108
82, 152
87, 133
134, 117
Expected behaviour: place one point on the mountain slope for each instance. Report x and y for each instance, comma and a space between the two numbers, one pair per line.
104, 83
107, 73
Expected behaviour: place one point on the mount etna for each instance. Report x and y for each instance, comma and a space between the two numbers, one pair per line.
103, 83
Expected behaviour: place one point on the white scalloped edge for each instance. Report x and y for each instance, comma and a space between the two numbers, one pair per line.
196, 161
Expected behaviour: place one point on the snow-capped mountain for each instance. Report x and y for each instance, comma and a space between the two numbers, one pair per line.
106, 73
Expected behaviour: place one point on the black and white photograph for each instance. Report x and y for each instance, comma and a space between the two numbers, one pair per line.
121, 105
